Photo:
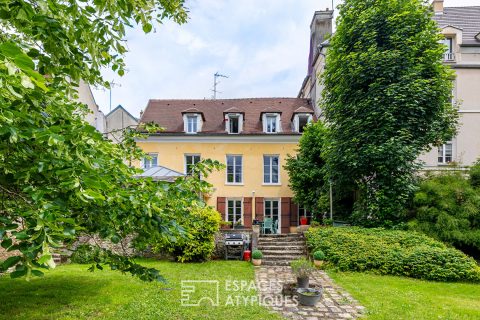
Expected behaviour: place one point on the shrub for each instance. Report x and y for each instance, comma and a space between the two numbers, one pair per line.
318, 255
302, 267
257, 254
198, 241
447, 207
394, 252
86, 253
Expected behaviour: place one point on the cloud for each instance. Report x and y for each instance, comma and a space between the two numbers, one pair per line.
261, 45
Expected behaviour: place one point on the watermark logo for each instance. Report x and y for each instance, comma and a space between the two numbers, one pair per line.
198, 292
234, 293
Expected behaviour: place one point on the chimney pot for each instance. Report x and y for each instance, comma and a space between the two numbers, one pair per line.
438, 6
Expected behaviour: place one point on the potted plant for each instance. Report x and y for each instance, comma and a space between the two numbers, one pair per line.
302, 268
225, 225
309, 296
318, 258
257, 256
238, 225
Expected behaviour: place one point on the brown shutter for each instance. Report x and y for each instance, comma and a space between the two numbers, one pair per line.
259, 208
285, 215
293, 214
221, 207
247, 212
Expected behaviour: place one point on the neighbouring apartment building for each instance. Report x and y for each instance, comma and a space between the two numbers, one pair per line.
461, 27
251, 136
117, 120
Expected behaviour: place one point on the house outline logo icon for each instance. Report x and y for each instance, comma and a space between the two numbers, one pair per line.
189, 287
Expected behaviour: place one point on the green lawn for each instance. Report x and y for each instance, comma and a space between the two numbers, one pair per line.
71, 292
388, 297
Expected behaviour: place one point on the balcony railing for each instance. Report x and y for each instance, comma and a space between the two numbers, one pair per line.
449, 56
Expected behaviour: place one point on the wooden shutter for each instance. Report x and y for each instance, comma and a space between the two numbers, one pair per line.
259, 208
221, 207
293, 214
285, 221
247, 212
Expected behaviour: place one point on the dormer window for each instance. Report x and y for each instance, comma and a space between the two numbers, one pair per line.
192, 121
234, 123
192, 124
300, 120
271, 122
449, 53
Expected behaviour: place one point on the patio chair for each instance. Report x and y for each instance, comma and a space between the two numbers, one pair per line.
275, 226
267, 225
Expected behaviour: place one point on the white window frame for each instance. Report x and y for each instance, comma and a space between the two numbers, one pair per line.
270, 168
296, 120
234, 207
442, 153
449, 54
278, 127
234, 169
145, 160
279, 211
199, 122
186, 162
228, 120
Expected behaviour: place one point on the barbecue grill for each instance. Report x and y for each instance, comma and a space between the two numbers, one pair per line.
235, 245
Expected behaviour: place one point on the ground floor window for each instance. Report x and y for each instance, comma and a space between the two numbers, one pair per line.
272, 211
234, 211
304, 212
445, 152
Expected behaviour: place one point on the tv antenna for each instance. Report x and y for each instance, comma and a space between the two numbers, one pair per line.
113, 85
215, 82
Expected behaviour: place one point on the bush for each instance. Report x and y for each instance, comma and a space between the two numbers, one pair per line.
318, 255
402, 253
302, 267
257, 254
86, 253
447, 207
198, 241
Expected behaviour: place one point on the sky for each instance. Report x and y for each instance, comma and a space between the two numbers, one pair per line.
261, 45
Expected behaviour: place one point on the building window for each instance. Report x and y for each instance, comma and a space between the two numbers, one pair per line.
304, 212
192, 124
445, 152
190, 161
448, 55
271, 169
234, 124
234, 211
234, 169
271, 126
300, 121
272, 211
150, 161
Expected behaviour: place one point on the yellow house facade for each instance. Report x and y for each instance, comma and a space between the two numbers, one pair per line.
251, 137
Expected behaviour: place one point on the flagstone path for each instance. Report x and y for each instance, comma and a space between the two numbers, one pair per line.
335, 303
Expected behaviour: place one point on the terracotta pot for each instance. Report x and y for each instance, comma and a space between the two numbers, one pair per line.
303, 221
318, 263
257, 262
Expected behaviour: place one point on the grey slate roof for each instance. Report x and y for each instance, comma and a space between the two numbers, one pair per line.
160, 173
465, 18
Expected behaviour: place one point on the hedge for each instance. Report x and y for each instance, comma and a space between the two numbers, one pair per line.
392, 252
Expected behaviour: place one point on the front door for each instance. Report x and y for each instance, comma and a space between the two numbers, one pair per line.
272, 210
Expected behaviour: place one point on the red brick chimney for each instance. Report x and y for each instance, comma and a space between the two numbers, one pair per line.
438, 6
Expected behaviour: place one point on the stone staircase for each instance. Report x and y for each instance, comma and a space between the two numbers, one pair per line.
280, 249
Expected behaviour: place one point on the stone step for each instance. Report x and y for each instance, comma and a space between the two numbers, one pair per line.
281, 252
281, 244
288, 257
264, 247
282, 235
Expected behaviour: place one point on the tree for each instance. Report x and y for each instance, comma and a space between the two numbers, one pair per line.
306, 170
58, 176
387, 99
447, 207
